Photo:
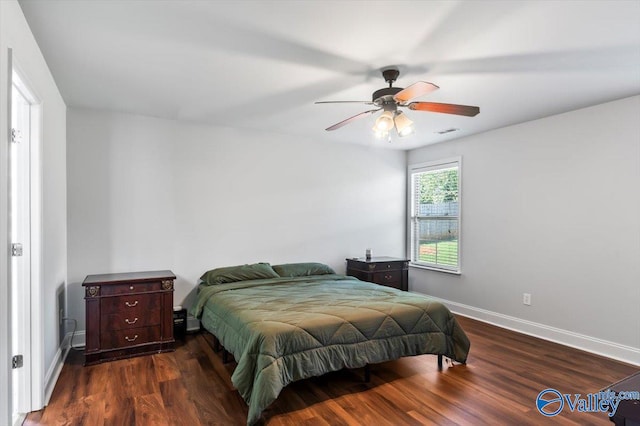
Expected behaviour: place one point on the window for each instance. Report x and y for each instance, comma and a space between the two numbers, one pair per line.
434, 194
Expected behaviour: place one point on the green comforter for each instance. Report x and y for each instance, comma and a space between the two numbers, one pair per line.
285, 329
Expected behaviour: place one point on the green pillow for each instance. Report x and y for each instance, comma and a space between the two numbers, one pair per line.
231, 274
302, 269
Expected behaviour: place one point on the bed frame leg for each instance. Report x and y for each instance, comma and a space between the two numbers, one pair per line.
439, 362
367, 373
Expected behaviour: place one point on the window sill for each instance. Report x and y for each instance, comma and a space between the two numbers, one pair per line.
431, 268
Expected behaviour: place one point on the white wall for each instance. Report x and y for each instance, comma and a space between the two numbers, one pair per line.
15, 34
552, 208
147, 193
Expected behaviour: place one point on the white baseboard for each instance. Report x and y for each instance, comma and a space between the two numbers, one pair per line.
583, 342
79, 339
18, 419
55, 368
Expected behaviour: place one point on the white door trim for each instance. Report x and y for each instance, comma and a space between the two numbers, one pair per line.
31, 328
20, 233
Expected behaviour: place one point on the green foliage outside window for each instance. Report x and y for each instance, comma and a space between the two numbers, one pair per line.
438, 187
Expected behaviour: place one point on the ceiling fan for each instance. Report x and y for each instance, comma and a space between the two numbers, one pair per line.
391, 98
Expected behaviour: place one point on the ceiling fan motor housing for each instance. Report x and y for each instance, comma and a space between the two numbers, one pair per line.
387, 91
385, 96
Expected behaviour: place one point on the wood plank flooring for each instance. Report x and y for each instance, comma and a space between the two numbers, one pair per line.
191, 386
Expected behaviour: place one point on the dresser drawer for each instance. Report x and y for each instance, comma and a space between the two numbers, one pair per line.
129, 288
130, 337
128, 320
385, 266
389, 278
131, 304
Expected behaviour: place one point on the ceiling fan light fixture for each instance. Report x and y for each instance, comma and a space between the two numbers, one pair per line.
384, 123
380, 134
404, 125
406, 131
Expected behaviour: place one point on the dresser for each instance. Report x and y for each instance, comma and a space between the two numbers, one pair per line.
387, 271
128, 314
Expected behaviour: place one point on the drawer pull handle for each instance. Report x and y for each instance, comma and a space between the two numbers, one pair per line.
131, 322
128, 339
388, 277
131, 305
130, 287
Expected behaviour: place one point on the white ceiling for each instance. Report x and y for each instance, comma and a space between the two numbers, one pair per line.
262, 64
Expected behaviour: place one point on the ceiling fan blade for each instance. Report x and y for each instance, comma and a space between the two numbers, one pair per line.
467, 110
344, 102
350, 119
416, 89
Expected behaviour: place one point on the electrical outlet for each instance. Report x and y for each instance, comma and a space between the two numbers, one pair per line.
526, 299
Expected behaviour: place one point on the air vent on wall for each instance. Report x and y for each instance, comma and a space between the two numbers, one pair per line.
442, 132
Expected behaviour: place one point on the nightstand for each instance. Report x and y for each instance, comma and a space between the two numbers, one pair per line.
128, 314
387, 271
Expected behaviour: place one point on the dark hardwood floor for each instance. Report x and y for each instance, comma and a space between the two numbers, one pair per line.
191, 386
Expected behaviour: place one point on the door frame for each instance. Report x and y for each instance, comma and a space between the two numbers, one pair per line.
30, 324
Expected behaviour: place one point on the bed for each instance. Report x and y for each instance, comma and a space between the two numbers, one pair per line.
290, 322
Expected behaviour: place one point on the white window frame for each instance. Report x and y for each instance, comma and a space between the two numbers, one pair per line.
411, 216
